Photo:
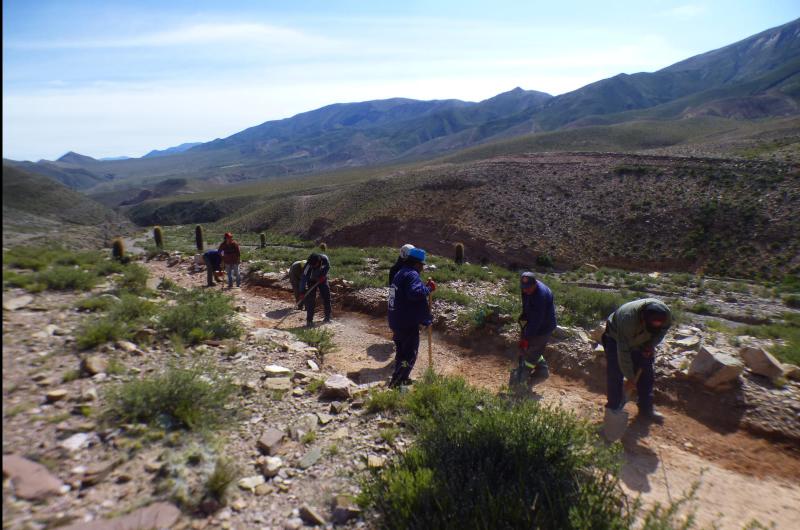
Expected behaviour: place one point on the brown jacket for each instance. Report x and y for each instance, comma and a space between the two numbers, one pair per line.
230, 252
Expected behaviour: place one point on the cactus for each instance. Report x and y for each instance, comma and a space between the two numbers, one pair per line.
198, 238
118, 249
323, 247
158, 236
263, 238
459, 253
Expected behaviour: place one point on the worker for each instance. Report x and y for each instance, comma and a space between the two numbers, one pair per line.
408, 309
632, 333
231, 256
314, 278
400, 261
213, 260
295, 273
538, 321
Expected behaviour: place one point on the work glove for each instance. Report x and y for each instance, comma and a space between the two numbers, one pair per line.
629, 386
648, 352
523, 344
323, 279
431, 285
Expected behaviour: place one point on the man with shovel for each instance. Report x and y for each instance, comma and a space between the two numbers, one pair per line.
537, 322
632, 333
315, 277
408, 308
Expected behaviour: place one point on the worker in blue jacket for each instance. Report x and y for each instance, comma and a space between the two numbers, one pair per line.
314, 278
213, 260
538, 320
408, 309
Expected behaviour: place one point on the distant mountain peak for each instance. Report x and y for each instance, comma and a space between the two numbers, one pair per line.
171, 150
75, 158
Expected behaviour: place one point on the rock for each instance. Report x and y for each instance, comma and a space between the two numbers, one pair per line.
792, 371
98, 472
90, 394
238, 505
375, 461
271, 466
337, 407
689, 343
306, 423
310, 458
250, 483
93, 365
597, 333
144, 335
31, 481
278, 383
717, 369
336, 387
340, 433
126, 346
56, 395
761, 362
344, 508
153, 466
264, 489
157, 515
295, 523
273, 370
310, 516
270, 440
562, 332
18, 302
311, 364
324, 419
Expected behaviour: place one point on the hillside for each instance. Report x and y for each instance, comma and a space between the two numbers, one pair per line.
757, 78
35, 206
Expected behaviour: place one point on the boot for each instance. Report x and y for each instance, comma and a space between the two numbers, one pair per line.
541, 372
650, 415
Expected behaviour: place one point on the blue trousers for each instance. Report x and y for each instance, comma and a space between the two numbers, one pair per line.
311, 301
614, 378
233, 270
406, 341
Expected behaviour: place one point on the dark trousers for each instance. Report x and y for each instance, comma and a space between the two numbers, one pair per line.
311, 301
209, 272
614, 378
536, 346
406, 341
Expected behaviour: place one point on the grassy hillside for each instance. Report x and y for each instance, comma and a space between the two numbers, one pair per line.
35, 206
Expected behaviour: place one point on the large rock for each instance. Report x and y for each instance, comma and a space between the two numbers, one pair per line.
278, 383
31, 481
158, 515
761, 362
271, 465
310, 458
18, 302
251, 483
270, 440
310, 516
716, 368
305, 424
273, 370
344, 508
792, 371
687, 343
336, 387
93, 365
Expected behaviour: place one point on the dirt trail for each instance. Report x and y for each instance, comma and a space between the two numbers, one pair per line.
742, 478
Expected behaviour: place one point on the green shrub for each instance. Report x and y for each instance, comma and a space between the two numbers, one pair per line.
321, 339
218, 482
133, 279
480, 462
544, 260
786, 330
66, 278
96, 332
193, 398
201, 315
384, 400
584, 307
449, 295
792, 300
701, 308
95, 303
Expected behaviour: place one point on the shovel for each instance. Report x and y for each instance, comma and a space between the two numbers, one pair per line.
308, 291
430, 333
615, 422
518, 380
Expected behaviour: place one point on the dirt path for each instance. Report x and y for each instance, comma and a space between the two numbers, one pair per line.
742, 478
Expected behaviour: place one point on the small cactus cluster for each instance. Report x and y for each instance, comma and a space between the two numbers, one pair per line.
198, 238
118, 249
323, 247
158, 236
263, 237
459, 253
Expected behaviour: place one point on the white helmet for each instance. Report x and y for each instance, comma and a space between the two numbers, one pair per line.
404, 250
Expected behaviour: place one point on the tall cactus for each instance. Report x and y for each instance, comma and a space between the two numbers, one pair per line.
158, 236
263, 237
323, 247
459, 253
118, 249
198, 238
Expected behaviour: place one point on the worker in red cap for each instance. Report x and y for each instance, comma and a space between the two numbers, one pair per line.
231, 257
632, 333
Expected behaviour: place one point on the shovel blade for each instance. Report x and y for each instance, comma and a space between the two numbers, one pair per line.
615, 422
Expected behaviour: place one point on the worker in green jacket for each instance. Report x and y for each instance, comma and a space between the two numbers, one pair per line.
295, 273
632, 333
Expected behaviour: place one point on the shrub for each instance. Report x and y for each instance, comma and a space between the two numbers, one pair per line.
218, 482
701, 308
158, 237
321, 339
584, 307
96, 332
66, 278
479, 462
201, 315
792, 300
95, 303
384, 400
133, 279
544, 260
192, 398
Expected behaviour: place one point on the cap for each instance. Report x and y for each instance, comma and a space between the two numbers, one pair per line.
404, 250
416, 254
528, 279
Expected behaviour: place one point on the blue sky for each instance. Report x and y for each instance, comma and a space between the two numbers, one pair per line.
109, 78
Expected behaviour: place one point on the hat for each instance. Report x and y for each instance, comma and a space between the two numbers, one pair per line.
228, 235
655, 314
528, 279
416, 254
314, 258
404, 250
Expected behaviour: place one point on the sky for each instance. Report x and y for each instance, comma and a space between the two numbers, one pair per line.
109, 78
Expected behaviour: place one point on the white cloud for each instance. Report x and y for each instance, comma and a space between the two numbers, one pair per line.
192, 35
686, 11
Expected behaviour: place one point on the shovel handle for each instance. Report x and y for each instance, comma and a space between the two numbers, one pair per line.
430, 335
